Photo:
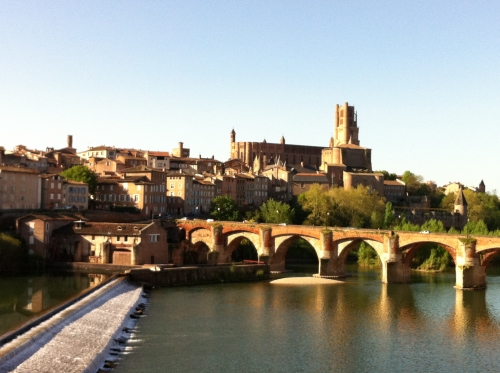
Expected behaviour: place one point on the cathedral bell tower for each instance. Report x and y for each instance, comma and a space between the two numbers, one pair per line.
345, 126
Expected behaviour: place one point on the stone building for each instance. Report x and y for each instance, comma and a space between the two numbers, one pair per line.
302, 182
36, 231
20, 188
141, 187
116, 243
260, 154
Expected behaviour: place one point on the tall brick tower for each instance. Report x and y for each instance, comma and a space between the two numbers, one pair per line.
345, 128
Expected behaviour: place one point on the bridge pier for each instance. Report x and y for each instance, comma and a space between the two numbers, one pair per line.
469, 272
213, 258
394, 268
395, 272
330, 265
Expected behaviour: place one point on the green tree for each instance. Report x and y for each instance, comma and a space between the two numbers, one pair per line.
475, 227
404, 225
224, 208
317, 205
434, 226
387, 175
357, 207
367, 256
389, 216
413, 183
82, 174
276, 212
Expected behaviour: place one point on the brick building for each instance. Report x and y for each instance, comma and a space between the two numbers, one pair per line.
116, 243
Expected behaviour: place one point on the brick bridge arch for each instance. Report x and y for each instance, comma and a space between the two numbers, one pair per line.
233, 240
395, 249
283, 242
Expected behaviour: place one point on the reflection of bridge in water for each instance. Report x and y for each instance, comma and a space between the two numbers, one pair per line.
217, 241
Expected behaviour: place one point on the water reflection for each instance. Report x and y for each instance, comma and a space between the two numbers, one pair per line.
23, 298
359, 326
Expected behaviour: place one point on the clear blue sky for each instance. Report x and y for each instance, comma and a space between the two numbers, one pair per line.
423, 75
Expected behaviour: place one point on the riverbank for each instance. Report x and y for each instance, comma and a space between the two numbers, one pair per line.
78, 338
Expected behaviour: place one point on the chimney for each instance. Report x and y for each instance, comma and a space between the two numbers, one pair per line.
70, 141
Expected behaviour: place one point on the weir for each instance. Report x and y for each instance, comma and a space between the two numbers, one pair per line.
82, 334
79, 338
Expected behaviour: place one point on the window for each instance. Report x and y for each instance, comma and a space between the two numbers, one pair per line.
154, 237
51, 195
136, 198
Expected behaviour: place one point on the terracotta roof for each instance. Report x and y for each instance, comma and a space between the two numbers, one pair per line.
131, 157
159, 154
140, 168
315, 178
394, 182
102, 147
73, 182
44, 217
20, 169
106, 229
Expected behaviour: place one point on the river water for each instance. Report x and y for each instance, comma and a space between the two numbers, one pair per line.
361, 325
23, 298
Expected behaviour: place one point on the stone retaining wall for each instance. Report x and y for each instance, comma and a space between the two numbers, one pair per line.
160, 276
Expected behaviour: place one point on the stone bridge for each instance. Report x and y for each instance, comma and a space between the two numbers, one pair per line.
396, 249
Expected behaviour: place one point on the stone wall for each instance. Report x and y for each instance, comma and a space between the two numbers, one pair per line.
200, 275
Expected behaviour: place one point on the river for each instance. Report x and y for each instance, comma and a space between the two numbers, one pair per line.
23, 298
361, 325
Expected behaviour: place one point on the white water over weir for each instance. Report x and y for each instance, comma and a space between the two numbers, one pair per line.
77, 339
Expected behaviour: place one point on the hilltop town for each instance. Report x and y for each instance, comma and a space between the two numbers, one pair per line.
174, 184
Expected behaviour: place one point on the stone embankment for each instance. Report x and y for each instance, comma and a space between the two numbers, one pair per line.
165, 276
81, 337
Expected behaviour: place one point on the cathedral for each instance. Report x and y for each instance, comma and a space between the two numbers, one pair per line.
344, 161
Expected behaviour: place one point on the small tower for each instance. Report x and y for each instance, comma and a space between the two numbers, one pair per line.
282, 140
460, 209
482, 187
233, 136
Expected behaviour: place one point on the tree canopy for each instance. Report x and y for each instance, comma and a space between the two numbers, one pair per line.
224, 208
357, 207
82, 174
276, 212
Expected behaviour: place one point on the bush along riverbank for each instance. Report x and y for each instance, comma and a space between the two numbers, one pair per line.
430, 257
15, 256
